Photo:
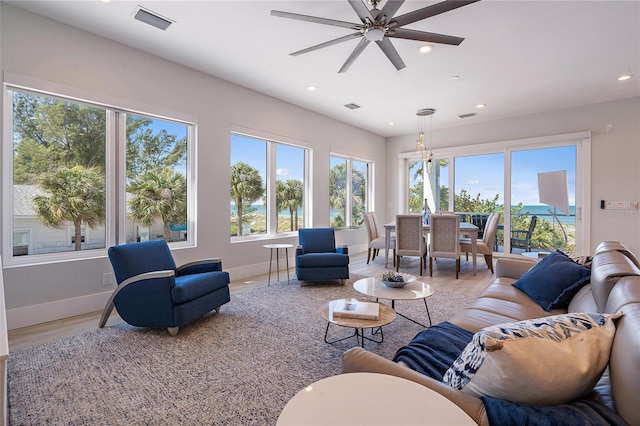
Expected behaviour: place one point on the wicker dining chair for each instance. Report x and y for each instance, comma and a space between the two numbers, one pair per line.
410, 239
444, 239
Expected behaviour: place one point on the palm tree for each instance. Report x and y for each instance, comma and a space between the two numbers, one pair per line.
75, 194
246, 187
158, 194
289, 194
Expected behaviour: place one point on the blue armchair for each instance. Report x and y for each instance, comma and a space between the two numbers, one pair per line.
152, 292
317, 257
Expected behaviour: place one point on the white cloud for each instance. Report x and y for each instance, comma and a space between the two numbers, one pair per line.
282, 172
473, 182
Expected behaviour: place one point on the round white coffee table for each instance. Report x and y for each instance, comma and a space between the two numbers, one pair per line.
413, 291
370, 399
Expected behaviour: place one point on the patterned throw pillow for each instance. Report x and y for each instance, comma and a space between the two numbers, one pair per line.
580, 259
544, 361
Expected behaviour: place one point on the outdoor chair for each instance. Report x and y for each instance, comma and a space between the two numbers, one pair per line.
318, 258
522, 238
410, 239
153, 293
486, 245
376, 242
444, 239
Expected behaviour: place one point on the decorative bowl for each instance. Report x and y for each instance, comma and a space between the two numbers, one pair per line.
399, 279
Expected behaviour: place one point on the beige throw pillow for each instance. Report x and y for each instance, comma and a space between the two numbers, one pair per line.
544, 361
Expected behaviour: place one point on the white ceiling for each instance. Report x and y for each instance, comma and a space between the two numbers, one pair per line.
518, 57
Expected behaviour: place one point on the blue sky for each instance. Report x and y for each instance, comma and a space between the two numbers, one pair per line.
484, 174
289, 159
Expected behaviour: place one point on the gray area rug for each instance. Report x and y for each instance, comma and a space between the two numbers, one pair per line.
238, 367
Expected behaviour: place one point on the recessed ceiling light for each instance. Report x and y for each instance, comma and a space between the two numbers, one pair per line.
391, 123
425, 48
625, 77
454, 78
481, 105
312, 88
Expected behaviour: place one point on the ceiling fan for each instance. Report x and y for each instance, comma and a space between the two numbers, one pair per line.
380, 25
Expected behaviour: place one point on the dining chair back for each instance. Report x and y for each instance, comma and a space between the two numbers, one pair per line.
521, 238
486, 245
376, 240
410, 238
444, 239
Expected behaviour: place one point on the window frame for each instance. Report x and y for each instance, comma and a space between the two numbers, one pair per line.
115, 170
370, 192
271, 210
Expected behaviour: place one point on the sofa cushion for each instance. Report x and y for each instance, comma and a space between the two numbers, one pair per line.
190, 287
544, 361
553, 281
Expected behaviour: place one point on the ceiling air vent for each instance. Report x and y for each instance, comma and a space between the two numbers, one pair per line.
152, 18
352, 105
471, 114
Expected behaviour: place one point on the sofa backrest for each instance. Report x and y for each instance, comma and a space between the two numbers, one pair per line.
611, 262
624, 361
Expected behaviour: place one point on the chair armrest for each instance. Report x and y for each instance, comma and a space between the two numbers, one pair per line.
199, 266
513, 268
518, 234
359, 360
343, 249
132, 280
299, 251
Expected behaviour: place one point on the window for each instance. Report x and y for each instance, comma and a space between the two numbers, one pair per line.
349, 191
63, 176
488, 177
269, 186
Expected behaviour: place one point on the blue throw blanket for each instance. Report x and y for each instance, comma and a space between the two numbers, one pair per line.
433, 350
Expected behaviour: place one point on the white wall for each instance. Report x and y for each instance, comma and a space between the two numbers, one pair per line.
615, 175
37, 47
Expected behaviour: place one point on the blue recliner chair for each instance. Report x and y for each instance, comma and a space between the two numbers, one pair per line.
152, 292
317, 257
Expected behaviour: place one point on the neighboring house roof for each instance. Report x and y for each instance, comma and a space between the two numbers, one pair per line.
23, 199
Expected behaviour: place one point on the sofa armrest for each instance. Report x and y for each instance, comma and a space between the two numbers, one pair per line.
513, 268
358, 360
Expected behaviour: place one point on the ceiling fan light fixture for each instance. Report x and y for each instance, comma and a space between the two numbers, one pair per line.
625, 77
425, 48
375, 33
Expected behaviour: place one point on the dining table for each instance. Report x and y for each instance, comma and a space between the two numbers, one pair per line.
466, 228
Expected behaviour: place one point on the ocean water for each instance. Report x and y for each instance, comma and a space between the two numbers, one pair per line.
542, 211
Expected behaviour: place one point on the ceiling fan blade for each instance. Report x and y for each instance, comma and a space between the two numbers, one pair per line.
326, 44
408, 34
391, 52
354, 55
361, 10
316, 19
434, 9
390, 8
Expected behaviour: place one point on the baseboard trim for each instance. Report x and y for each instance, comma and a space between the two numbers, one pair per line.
56, 310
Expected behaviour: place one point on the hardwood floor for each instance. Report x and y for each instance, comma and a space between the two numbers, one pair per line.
443, 278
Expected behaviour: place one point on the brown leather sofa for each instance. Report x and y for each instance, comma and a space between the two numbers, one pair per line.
615, 286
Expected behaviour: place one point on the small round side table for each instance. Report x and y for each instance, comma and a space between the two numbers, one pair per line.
277, 248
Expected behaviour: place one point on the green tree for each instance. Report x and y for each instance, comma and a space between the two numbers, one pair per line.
464, 203
52, 132
147, 150
246, 187
289, 195
158, 194
73, 194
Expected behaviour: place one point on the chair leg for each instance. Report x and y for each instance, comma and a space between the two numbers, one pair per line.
397, 263
489, 259
173, 330
457, 268
430, 266
368, 255
218, 310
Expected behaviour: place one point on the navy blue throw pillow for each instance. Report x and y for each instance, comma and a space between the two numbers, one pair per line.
553, 281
